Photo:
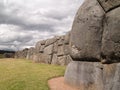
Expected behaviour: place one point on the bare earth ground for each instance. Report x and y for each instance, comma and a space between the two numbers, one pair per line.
58, 84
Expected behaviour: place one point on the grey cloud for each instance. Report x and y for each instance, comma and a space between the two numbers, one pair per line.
6, 18
37, 23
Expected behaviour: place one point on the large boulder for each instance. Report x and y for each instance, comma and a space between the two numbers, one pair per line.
50, 41
30, 53
93, 76
111, 36
95, 36
86, 34
49, 50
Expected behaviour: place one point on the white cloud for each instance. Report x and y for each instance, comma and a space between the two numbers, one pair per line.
24, 22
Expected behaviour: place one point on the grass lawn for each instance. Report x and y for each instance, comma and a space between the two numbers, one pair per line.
1, 56
26, 75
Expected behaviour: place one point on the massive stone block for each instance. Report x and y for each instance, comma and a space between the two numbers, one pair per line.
95, 36
30, 53
55, 47
66, 38
109, 4
38, 46
49, 50
111, 36
60, 51
61, 41
42, 58
93, 76
50, 41
54, 59
86, 34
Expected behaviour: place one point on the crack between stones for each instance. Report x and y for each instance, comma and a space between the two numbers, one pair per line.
112, 8
103, 21
101, 5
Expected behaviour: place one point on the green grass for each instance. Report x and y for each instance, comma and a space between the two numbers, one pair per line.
1, 56
26, 75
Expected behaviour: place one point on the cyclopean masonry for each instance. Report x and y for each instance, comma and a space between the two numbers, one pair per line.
50, 51
95, 46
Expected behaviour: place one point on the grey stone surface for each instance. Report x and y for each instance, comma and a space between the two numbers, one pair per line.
54, 59
62, 60
38, 46
42, 58
86, 34
49, 50
66, 49
111, 36
55, 47
93, 76
30, 53
50, 41
41, 50
60, 51
109, 4
61, 41
42, 42
66, 38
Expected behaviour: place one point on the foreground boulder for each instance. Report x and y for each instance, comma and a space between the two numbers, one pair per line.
95, 34
93, 76
95, 46
86, 34
111, 36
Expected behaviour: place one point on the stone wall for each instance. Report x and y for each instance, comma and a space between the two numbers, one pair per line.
95, 46
92, 46
50, 51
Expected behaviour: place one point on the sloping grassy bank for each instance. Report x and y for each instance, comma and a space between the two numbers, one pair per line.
26, 75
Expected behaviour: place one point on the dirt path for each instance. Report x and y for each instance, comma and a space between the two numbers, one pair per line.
58, 84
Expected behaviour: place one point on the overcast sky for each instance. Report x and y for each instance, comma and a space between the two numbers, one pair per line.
24, 22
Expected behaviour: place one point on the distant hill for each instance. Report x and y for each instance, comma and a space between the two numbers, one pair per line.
6, 51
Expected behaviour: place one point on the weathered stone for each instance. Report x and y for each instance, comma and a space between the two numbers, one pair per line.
67, 37
36, 58
38, 46
111, 76
60, 50
42, 42
86, 34
66, 49
48, 59
54, 59
42, 49
109, 4
93, 76
55, 47
42, 58
68, 59
111, 37
50, 41
57, 37
61, 41
62, 60
30, 53
49, 49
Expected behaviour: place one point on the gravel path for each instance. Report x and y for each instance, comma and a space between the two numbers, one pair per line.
58, 84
